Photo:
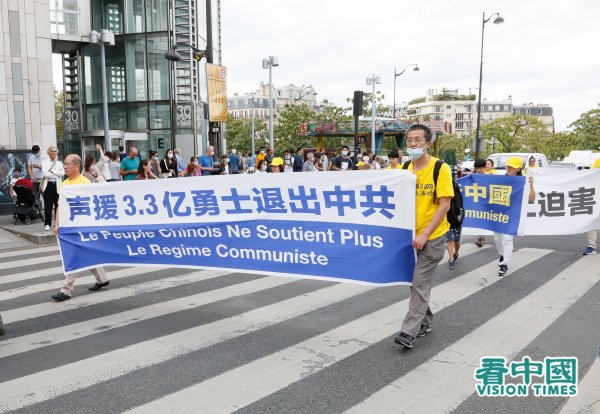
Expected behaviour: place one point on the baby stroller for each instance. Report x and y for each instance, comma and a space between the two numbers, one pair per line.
26, 207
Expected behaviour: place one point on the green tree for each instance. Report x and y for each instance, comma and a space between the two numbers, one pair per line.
559, 144
516, 133
366, 107
452, 143
59, 102
587, 129
239, 133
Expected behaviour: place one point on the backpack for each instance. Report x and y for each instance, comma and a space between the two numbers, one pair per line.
456, 213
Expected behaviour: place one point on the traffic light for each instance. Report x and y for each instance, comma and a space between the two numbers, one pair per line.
198, 54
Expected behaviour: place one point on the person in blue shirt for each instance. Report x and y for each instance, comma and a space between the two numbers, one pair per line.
298, 159
181, 165
130, 164
234, 162
206, 162
251, 162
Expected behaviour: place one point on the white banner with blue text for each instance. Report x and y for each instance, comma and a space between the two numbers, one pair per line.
355, 226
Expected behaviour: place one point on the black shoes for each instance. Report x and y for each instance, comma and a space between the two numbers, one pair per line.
60, 297
425, 329
503, 270
99, 286
2, 331
404, 339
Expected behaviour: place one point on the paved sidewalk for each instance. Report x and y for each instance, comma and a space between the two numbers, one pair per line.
22, 236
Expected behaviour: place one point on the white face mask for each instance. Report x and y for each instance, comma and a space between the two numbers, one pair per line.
169, 156
262, 152
344, 153
264, 168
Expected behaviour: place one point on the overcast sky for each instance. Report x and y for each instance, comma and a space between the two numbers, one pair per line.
544, 52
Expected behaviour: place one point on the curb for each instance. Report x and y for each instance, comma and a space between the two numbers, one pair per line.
39, 238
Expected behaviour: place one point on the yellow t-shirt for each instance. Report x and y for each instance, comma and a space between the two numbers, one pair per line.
398, 167
425, 206
492, 171
260, 157
79, 180
596, 163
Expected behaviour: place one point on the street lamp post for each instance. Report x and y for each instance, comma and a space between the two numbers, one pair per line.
104, 37
373, 80
416, 69
253, 145
497, 20
268, 63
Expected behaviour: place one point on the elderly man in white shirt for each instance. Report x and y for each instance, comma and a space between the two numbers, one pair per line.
53, 171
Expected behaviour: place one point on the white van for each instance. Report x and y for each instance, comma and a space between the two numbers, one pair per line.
501, 158
582, 159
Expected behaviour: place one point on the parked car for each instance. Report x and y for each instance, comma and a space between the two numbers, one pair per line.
562, 164
582, 159
501, 158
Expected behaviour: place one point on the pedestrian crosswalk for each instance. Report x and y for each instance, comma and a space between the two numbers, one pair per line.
184, 340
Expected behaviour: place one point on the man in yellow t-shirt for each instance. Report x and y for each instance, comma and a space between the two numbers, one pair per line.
394, 158
72, 166
432, 205
592, 235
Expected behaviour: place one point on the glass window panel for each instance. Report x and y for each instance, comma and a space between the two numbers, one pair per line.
157, 15
92, 71
160, 141
117, 116
160, 116
138, 116
135, 16
158, 67
93, 116
136, 68
113, 16
115, 71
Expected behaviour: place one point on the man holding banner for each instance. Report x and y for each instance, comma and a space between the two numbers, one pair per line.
432, 205
72, 167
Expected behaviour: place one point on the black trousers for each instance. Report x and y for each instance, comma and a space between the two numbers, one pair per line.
50, 201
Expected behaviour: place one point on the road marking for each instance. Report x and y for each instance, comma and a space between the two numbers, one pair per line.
24, 252
26, 262
51, 307
587, 400
250, 382
88, 372
42, 287
90, 327
446, 380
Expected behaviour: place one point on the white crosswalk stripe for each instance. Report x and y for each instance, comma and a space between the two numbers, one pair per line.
223, 393
505, 335
431, 387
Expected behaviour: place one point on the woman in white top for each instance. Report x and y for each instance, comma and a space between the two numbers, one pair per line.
53, 171
115, 167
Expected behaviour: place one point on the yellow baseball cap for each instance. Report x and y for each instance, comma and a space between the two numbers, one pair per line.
277, 161
514, 162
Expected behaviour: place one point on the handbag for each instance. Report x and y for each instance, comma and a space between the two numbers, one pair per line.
44, 182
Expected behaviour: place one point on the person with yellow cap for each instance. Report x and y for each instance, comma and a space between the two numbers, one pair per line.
276, 165
592, 235
504, 242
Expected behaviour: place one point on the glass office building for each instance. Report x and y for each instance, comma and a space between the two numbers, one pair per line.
152, 103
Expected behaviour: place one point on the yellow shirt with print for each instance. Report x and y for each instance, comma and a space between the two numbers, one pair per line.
426, 205
596, 163
398, 167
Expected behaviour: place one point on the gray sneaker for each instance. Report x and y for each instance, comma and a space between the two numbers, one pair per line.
451, 265
425, 329
2, 331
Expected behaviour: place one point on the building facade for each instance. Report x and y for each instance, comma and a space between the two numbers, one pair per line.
26, 90
153, 103
447, 106
543, 112
240, 106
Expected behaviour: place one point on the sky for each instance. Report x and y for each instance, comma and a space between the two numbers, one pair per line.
545, 52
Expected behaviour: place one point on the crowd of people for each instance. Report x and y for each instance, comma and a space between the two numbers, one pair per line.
433, 232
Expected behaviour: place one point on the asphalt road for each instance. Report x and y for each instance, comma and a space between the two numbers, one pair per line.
184, 340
